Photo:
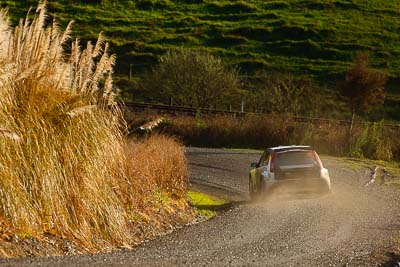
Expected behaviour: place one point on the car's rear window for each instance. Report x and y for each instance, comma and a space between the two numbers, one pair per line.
295, 158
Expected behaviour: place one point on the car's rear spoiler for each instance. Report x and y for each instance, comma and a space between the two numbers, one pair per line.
307, 148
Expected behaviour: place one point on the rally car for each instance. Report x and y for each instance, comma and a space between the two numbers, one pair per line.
294, 168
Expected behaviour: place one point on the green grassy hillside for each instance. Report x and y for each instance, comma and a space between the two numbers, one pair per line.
317, 38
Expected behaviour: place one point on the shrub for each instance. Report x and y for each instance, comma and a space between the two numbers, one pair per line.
359, 141
192, 78
154, 164
363, 87
282, 93
373, 141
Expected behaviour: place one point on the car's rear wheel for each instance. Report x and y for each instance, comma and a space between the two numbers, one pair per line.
252, 193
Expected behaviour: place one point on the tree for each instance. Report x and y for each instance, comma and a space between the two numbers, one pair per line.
192, 78
283, 93
363, 87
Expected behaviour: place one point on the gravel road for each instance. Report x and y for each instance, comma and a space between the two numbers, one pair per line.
346, 228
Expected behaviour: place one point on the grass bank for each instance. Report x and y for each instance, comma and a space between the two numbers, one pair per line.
206, 205
388, 173
315, 38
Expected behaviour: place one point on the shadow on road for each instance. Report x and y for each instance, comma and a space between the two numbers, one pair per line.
222, 207
282, 197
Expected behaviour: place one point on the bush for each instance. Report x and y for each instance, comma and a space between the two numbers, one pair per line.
282, 93
374, 141
155, 164
363, 87
192, 78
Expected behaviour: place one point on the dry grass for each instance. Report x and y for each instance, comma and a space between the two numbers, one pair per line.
155, 193
59, 177
63, 168
373, 141
257, 132
159, 166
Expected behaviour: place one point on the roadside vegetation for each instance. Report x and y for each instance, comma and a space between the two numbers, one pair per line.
206, 205
67, 171
388, 172
373, 140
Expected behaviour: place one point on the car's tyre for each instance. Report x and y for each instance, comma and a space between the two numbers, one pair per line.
252, 193
262, 190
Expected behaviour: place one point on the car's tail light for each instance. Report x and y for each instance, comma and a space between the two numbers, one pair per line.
272, 167
317, 159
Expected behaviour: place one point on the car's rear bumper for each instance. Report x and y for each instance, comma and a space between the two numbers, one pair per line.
298, 185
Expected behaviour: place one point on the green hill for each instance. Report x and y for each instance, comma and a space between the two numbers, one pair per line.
315, 38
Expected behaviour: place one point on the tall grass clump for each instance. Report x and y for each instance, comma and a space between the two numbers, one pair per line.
376, 142
60, 135
159, 165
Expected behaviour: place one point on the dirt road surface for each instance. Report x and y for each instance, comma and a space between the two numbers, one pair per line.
349, 227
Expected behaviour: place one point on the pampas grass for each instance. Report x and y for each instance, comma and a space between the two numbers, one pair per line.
61, 141
10, 135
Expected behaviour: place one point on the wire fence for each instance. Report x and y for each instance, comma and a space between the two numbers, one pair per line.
196, 111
